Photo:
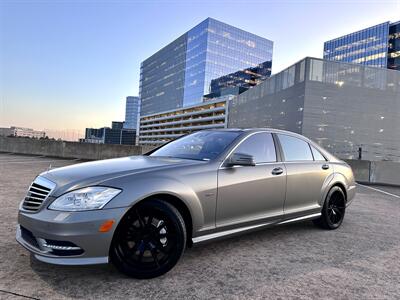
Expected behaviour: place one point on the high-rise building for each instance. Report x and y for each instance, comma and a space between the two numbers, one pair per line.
131, 112
180, 74
376, 46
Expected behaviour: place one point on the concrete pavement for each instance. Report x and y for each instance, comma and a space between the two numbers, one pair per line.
361, 260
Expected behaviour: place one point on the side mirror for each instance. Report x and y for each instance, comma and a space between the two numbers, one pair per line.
241, 159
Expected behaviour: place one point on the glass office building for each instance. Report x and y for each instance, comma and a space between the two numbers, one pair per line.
394, 46
342, 106
131, 112
367, 47
376, 46
181, 73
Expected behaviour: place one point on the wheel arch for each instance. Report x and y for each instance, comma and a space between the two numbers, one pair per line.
342, 187
181, 206
176, 202
332, 184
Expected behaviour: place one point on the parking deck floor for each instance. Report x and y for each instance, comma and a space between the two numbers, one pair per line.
361, 260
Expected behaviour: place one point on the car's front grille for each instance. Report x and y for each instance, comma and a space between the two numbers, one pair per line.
37, 194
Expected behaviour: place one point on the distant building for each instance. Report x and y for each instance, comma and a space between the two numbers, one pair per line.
117, 125
341, 106
131, 112
22, 132
181, 73
114, 135
159, 128
376, 46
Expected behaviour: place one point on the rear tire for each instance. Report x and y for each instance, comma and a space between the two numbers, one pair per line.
333, 211
149, 240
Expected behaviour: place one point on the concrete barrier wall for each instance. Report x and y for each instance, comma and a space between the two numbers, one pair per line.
68, 149
361, 169
384, 172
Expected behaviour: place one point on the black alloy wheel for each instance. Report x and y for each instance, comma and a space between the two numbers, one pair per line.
149, 240
334, 209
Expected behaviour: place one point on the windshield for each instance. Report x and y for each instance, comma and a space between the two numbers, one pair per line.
201, 145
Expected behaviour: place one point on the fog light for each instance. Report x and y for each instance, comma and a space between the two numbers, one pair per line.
106, 226
57, 247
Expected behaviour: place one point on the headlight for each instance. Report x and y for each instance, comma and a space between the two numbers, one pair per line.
85, 199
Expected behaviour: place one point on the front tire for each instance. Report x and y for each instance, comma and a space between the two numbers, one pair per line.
149, 240
333, 211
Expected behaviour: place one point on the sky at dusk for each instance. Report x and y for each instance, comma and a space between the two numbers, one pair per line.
66, 65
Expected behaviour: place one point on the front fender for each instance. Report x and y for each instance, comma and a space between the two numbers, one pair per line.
136, 189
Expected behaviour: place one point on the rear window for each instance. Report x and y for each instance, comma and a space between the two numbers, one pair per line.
295, 149
317, 155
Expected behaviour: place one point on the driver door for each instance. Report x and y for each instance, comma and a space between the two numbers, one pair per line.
250, 193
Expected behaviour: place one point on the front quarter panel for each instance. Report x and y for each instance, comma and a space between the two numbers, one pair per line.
195, 186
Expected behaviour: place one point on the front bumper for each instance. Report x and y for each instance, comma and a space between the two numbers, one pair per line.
68, 238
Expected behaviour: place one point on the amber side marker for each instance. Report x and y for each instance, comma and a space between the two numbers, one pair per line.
106, 226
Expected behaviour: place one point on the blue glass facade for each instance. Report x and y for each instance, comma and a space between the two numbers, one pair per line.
131, 112
367, 47
394, 46
244, 79
181, 73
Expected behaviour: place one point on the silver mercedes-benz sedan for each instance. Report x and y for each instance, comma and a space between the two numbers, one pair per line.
141, 212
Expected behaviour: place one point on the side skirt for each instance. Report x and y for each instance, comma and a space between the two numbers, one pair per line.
303, 218
236, 231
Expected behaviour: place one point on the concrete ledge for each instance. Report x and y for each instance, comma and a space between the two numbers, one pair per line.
386, 172
68, 149
376, 172
361, 169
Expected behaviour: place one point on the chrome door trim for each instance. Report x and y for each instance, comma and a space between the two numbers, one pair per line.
227, 232
258, 164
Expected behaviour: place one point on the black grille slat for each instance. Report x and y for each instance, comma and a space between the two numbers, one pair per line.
38, 192
41, 187
35, 197
33, 201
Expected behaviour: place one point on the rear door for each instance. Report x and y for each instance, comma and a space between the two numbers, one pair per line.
307, 175
250, 193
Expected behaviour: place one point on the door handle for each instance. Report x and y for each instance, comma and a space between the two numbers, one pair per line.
325, 166
277, 171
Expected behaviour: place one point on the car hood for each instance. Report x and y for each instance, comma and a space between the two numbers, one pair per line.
93, 173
